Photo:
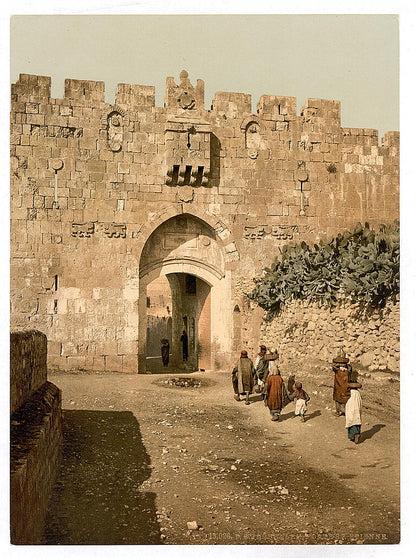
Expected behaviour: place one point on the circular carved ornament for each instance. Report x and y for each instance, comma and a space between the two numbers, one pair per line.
302, 175
114, 145
57, 164
186, 101
186, 194
253, 153
115, 121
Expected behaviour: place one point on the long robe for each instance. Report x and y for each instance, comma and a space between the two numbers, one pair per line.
244, 371
261, 368
341, 389
276, 392
353, 409
165, 353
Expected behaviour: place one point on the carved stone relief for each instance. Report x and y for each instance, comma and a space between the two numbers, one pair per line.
184, 96
82, 230
253, 140
115, 131
115, 230
279, 232
186, 195
110, 230
56, 131
115, 122
173, 240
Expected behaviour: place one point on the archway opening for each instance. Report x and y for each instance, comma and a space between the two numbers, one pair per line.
178, 317
185, 250
159, 324
191, 321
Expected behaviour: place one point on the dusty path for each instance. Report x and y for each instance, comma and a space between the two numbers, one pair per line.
143, 458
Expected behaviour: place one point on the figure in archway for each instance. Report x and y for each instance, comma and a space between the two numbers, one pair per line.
165, 351
184, 341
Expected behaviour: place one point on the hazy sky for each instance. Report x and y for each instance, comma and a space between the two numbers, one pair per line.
350, 58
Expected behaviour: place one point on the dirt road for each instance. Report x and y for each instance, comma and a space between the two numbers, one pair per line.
150, 460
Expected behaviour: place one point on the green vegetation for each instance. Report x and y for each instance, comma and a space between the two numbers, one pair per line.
362, 265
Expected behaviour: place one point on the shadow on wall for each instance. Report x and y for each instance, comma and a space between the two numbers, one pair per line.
98, 498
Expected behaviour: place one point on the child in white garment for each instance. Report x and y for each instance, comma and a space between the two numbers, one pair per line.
353, 412
301, 399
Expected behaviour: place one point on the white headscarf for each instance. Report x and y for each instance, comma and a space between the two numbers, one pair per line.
273, 368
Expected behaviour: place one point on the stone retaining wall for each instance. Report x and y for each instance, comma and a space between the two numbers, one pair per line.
304, 331
35, 439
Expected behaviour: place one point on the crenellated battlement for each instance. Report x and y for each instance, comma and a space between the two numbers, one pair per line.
183, 96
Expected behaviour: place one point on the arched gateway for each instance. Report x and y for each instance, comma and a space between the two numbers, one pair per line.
186, 250
107, 197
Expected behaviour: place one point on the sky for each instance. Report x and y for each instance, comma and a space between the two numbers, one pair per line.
350, 58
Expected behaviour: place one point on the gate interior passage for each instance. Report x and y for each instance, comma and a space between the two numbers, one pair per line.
187, 295
179, 310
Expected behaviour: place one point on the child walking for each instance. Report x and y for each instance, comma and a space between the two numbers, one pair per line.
275, 391
301, 399
353, 412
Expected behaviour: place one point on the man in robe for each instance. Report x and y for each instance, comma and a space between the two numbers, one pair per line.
261, 365
165, 351
184, 341
342, 375
243, 377
275, 391
261, 368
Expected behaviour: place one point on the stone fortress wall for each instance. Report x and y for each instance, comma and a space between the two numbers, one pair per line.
226, 188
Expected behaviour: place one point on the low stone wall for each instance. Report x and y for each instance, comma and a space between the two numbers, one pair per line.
35, 438
27, 365
305, 331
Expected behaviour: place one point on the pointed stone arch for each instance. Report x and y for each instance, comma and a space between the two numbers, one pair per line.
184, 244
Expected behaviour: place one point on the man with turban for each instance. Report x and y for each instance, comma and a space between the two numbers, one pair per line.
243, 377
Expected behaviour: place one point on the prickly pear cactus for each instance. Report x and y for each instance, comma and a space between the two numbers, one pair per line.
362, 265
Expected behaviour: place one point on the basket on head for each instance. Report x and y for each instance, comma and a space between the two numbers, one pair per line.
341, 358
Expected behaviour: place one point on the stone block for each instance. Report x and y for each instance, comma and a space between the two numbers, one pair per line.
130, 364
114, 363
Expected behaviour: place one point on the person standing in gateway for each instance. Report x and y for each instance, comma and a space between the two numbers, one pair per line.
165, 351
184, 341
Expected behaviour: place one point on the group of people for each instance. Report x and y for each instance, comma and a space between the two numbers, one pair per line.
263, 376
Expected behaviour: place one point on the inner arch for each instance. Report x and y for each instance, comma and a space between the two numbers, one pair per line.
186, 250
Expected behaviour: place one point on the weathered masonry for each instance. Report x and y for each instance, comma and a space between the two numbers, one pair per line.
108, 198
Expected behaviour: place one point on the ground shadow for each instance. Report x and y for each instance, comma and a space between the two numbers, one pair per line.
367, 434
255, 398
98, 497
287, 416
311, 416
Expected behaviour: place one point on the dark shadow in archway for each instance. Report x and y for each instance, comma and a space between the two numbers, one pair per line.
98, 497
